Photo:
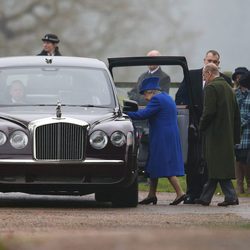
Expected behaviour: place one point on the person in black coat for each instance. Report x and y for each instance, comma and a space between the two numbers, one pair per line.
50, 46
196, 173
153, 71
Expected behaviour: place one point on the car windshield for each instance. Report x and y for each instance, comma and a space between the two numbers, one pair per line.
47, 86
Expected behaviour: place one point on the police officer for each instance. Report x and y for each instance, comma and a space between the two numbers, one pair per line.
50, 46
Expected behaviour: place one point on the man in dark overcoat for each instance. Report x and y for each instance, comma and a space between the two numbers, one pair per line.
196, 174
220, 126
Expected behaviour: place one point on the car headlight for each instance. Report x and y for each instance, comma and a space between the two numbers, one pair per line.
3, 138
98, 139
118, 139
18, 140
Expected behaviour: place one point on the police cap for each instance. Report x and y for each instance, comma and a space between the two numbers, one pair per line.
51, 38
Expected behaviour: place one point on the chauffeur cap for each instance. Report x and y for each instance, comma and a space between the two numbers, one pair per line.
151, 83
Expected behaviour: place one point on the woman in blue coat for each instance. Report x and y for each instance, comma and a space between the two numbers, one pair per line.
165, 155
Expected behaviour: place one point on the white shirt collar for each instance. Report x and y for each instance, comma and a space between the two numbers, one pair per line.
152, 72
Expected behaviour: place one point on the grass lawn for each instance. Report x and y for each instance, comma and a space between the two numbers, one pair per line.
164, 186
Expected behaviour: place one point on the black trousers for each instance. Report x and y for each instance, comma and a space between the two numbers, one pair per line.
196, 169
195, 182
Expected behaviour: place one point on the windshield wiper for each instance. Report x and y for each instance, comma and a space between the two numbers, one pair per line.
74, 105
92, 106
49, 105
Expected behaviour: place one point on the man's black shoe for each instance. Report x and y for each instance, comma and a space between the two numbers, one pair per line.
188, 200
227, 203
201, 202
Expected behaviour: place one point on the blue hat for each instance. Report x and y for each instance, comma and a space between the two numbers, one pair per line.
150, 84
239, 71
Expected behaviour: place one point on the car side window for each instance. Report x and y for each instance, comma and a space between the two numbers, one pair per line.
128, 83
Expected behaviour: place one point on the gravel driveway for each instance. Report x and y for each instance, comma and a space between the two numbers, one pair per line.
47, 222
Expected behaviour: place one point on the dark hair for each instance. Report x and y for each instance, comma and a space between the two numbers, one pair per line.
244, 80
214, 52
239, 71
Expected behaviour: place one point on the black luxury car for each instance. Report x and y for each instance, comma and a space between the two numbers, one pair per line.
62, 130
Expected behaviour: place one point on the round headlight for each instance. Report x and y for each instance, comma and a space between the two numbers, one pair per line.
3, 138
118, 139
98, 140
18, 140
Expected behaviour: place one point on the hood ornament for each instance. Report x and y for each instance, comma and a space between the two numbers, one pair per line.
48, 60
58, 110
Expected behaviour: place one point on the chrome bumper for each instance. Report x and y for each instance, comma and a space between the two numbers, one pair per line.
86, 162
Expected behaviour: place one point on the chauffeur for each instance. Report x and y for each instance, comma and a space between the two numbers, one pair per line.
50, 46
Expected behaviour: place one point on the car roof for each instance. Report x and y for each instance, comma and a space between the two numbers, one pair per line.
50, 61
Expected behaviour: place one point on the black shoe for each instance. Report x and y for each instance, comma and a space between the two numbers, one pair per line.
188, 200
179, 200
149, 200
227, 203
201, 202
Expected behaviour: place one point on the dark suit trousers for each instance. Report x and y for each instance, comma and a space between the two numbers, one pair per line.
195, 182
196, 169
226, 187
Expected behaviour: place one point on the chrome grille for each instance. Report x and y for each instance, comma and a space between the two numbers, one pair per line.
60, 141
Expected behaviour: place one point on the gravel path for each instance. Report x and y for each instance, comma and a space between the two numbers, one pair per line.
45, 222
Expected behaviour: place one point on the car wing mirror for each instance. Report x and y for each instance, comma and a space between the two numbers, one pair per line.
129, 105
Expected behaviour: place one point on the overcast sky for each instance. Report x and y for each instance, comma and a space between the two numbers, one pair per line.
223, 26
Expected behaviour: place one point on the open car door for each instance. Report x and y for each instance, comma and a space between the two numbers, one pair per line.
126, 73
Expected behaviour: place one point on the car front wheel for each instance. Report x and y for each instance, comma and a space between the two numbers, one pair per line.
126, 197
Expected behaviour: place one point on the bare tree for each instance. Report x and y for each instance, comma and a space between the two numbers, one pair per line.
93, 28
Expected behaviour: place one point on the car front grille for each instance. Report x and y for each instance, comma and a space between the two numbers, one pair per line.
60, 141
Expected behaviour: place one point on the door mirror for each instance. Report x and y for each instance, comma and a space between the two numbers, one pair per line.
129, 105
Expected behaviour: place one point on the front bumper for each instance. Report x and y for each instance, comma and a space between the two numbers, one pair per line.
65, 177
86, 162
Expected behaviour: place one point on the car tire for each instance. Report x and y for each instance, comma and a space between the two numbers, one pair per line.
103, 196
126, 197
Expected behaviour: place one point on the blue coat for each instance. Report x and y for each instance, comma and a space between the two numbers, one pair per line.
165, 155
